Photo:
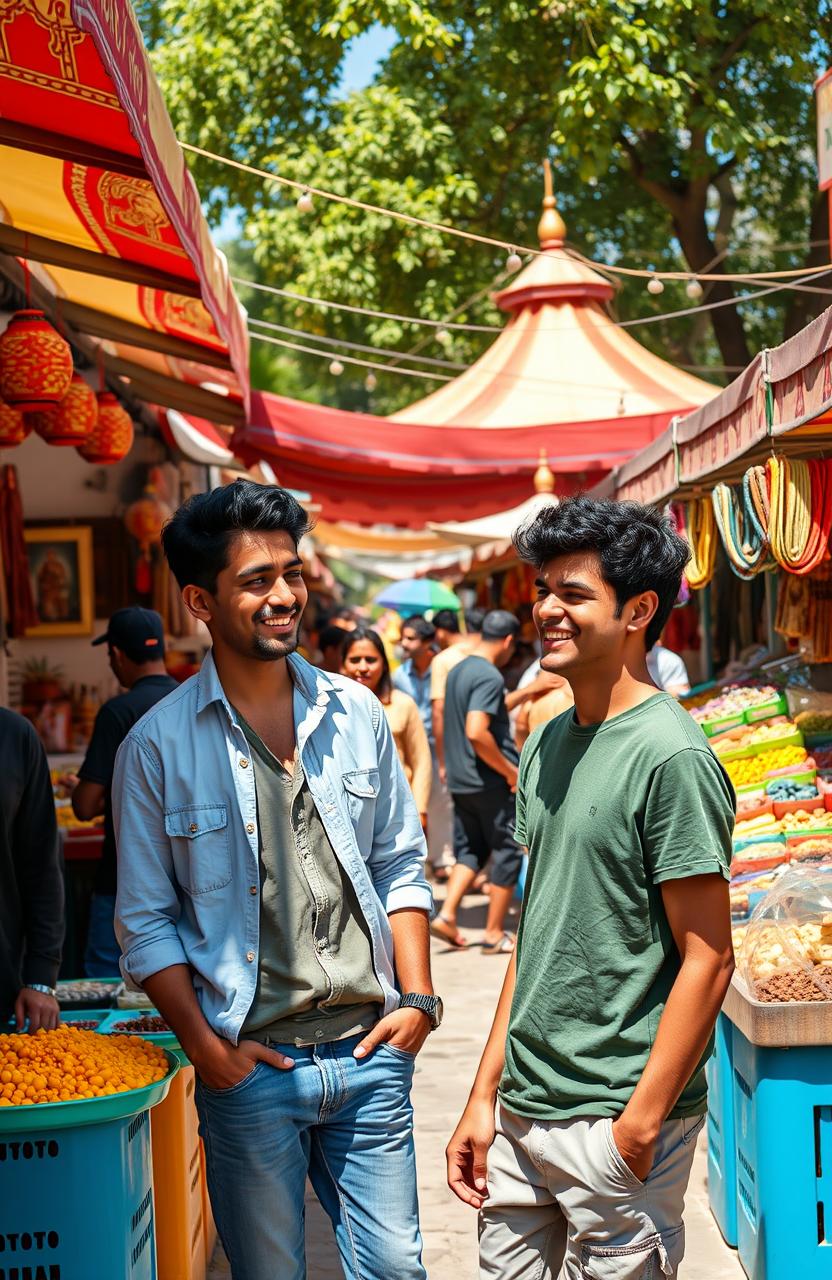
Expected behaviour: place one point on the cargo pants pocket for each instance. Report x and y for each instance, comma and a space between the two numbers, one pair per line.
643, 1260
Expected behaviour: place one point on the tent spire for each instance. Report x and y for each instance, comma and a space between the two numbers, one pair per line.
544, 480
551, 229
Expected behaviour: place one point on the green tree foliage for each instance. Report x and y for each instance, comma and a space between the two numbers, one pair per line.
681, 133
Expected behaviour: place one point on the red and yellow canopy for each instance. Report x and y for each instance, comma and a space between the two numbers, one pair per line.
97, 193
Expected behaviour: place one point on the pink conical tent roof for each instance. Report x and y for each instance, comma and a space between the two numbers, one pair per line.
560, 359
561, 378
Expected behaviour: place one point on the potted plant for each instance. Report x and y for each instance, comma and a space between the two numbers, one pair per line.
41, 680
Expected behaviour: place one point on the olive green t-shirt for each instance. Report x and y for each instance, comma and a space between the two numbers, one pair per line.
609, 812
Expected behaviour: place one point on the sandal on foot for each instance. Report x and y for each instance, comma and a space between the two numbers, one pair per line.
502, 947
443, 929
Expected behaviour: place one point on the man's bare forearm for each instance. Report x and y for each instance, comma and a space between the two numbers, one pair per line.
411, 950
485, 747
438, 722
172, 993
493, 1060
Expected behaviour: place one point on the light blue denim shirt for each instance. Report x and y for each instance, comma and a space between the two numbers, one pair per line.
186, 827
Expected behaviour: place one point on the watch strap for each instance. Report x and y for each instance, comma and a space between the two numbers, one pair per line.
40, 986
427, 1004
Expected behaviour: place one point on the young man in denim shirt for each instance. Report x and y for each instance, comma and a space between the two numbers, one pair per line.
272, 904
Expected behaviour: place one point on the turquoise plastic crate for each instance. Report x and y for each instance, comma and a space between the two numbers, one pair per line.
783, 1113
722, 1149
76, 1188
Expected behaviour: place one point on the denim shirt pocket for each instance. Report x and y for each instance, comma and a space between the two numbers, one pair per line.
362, 787
198, 836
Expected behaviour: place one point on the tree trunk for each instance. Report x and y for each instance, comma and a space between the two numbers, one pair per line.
805, 306
699, 250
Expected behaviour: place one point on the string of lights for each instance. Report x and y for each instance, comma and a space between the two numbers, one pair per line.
514, 261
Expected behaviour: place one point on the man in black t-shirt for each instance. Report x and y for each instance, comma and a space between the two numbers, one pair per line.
31, 880
481, 767
135, 642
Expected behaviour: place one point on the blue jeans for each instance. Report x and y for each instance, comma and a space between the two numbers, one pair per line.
103, 952
344, 1123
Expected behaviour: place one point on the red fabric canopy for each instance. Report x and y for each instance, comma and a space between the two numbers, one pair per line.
372, 470
561, 379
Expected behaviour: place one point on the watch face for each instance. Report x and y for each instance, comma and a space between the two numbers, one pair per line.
438, 1011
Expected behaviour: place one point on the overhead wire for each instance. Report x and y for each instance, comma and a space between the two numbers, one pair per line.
364, 364
506, 245
743, 300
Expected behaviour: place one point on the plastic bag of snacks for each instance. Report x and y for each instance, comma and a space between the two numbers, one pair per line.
787, 948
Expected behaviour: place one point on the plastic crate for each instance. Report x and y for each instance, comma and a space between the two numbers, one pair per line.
98, 1016
177, 1181
783, 1114
722, 1150
76, 1188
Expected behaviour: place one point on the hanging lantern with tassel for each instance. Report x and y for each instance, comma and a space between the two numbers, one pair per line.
144, 520
13, 426
35, 363
111, 439
74, 420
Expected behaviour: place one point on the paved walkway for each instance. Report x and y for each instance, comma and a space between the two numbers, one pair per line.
469, 983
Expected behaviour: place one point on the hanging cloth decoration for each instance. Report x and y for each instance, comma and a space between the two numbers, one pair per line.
757, 499
700, 533
745, 543
801, 512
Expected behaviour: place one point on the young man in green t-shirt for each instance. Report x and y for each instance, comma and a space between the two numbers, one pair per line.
596, 1057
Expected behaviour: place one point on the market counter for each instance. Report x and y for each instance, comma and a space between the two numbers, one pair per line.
770, 1134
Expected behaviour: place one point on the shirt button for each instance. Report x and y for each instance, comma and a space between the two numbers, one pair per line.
250, 957
318, 1035
193, 827
253, 889
243, 763
321, 944
250, 828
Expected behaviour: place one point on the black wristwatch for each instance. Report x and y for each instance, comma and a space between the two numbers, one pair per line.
430, 1005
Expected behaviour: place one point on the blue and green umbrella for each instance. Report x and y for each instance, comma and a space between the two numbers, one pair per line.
417, 595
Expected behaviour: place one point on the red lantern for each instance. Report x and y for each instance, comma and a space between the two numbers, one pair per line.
13, 426
111, 439
145, 519
35, 363
74, 420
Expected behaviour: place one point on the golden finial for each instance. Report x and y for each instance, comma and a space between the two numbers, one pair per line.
551, 229
544, 480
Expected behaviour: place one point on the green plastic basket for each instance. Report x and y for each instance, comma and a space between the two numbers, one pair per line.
86, 1111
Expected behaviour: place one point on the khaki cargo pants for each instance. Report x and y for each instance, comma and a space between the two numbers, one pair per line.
563, 1205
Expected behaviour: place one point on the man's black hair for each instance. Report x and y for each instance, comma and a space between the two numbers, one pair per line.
638, 548
499, 624
332, 637
473, 620
197, 537
385, 685
447, 620
420, 626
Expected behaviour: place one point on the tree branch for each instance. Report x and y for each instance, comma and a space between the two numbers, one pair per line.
731, 50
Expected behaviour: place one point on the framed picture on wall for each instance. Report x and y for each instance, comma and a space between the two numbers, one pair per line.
60, 567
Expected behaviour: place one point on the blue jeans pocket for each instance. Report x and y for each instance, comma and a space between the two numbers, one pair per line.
235, 1088
401, 1054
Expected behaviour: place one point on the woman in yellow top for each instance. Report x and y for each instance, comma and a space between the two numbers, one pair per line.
364, 659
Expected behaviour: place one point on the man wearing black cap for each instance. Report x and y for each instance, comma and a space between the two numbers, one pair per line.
481, 764
135, 642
